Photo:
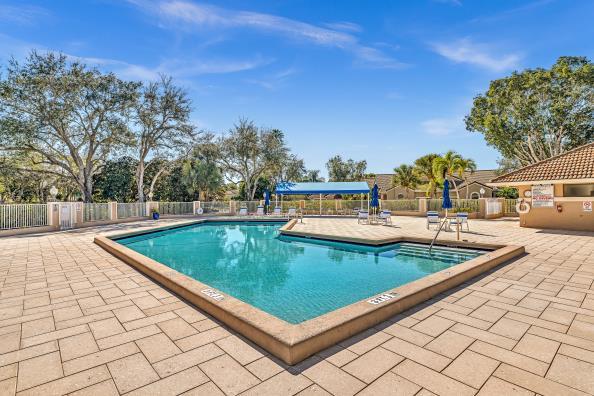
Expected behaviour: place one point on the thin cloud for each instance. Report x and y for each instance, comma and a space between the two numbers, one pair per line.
22, 15
344, 26
442, 126
175, 68
523, 9
188, 15
274, 81
466, 51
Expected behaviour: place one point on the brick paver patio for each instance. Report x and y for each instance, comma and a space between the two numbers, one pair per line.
75, 320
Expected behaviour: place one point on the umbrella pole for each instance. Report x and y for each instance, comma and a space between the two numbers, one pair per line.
320, 204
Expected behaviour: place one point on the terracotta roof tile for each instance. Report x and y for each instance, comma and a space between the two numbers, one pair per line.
574, 164
384, 181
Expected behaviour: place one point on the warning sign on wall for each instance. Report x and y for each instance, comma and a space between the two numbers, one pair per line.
543, 196
587, 206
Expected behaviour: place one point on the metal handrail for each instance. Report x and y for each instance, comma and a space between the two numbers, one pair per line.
436, 234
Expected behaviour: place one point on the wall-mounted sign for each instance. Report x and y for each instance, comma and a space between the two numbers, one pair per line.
587, 206
543, 196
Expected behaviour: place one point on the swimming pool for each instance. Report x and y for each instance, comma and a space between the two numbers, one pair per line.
293, 278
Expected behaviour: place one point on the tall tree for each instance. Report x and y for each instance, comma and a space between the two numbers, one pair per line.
448, 166
349, 170
248, 151
201, 175
405, 176
313, 175
538, 113
71, 116
162, 120
291, 169
424, 169
115, 180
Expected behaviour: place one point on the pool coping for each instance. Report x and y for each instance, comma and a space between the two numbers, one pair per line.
293, 343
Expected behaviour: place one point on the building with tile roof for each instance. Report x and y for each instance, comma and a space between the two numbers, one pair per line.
558, 191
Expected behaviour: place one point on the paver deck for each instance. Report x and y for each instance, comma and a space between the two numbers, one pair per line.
76, 320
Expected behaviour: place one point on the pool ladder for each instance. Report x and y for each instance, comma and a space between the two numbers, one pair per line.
436, 234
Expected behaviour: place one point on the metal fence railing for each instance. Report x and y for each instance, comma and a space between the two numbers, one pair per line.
213, 207
176, 208
411, 205
134, 209
465, 205
251, 206
509, 207
23, 216
96, 212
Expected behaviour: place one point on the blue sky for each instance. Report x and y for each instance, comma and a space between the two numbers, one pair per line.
381, 81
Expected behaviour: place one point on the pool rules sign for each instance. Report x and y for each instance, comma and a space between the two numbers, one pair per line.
543, 196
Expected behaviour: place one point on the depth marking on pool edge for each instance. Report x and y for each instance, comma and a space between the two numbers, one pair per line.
213, 294
383, 298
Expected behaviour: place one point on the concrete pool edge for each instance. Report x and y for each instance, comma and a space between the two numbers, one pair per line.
293, 343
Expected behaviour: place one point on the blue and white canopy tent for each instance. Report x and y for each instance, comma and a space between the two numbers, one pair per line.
310, 188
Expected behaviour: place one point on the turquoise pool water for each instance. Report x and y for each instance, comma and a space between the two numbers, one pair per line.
294, 279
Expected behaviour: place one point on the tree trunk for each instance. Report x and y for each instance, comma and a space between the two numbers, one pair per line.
466, 183
455, 188
140, 180
154, 181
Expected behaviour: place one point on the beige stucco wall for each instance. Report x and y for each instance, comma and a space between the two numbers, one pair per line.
571, 217
471, 189
392, 194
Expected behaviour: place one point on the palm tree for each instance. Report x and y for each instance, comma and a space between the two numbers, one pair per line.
424, 170
313, 175
467, 165
405, 176
448, 166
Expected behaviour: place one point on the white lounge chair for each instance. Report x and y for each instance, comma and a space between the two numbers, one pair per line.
260, 211
385, 216
293, 212
243, 212
433, 219
363, 217
461, 218
277, 211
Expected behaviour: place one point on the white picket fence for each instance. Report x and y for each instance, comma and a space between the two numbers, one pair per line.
23, 216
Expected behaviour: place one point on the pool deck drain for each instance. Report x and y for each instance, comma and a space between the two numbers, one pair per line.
294, 343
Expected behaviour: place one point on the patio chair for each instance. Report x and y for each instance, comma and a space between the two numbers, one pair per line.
385, 216
433, 219
293, 213
461, 218
243, 212
356, 211
277, 212
363, 217
260, 211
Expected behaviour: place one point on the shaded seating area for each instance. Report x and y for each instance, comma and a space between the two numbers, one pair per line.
321, 189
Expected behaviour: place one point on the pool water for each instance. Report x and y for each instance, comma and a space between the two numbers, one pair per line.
292, 278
